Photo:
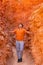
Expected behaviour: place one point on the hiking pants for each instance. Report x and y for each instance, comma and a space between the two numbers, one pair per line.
19, 48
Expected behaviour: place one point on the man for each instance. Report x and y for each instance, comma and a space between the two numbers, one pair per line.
20, 33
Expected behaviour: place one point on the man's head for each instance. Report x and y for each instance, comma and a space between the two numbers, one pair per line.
20, 25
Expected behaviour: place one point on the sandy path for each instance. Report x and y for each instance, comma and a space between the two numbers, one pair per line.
27, 60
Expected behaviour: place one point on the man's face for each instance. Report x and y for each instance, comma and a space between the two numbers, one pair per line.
20, 26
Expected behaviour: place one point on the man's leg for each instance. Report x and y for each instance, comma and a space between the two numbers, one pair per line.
18, 49
21, 48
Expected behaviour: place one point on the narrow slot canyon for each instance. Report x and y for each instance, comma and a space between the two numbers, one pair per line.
30, 14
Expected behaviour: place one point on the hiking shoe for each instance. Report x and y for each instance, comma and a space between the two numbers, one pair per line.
20, 60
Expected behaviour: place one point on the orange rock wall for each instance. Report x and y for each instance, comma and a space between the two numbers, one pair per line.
30, 13
36, 26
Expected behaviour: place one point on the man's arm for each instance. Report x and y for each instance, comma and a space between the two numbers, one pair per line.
13, 31
27, 32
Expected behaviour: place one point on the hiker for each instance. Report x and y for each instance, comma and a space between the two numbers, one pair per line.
20, 33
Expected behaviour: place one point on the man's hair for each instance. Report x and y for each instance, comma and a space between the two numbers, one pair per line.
22, 24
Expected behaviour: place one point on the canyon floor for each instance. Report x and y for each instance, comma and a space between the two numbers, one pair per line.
27, 58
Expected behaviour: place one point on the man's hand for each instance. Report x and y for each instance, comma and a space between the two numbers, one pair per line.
11, 31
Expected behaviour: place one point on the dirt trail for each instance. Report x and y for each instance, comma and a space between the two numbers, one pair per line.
27, 59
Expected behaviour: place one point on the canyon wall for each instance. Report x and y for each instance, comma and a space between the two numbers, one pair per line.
36, 26
30, 13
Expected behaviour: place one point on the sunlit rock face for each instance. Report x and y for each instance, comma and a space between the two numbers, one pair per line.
30, 13
36, 26
20, 10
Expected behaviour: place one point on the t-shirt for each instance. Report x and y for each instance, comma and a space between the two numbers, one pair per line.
20, 33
